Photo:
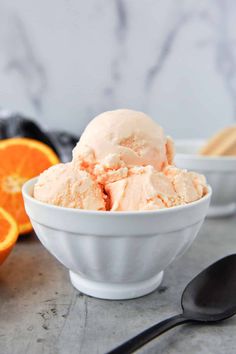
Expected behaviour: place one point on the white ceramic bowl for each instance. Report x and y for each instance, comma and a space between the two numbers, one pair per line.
115, 255
220, 173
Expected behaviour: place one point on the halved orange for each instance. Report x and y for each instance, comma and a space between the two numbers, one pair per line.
8, 234
20, 160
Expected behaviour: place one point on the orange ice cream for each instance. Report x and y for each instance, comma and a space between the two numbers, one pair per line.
69, 187
143, 189
189, 186
147, 189
124, 138
123, 161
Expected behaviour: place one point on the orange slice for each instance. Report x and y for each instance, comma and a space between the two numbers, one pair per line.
8, 234
20, 160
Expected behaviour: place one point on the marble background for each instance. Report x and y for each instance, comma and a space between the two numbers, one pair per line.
64, 61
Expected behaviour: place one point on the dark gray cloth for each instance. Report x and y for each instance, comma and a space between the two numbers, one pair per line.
16, 125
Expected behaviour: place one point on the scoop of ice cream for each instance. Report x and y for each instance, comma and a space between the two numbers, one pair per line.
67, 186
126, 155
123, 138
189, 186
147, 189
143, 189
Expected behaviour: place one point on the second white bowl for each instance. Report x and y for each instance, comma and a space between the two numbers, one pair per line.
220, 173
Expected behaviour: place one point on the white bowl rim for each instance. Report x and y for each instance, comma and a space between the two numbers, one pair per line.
194, 156
32, 181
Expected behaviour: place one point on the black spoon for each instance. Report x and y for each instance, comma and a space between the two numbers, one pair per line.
209, 297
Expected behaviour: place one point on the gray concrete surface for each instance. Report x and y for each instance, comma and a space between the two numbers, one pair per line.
40, 312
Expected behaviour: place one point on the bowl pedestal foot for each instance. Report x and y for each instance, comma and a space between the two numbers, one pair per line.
115, 291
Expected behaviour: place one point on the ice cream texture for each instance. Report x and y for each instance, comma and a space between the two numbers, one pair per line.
67, 186
123, 162
124, 138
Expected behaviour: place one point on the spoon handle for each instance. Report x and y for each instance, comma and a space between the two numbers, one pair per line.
142, 338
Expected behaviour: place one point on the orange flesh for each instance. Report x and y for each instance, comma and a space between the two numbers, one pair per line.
8, 234
4, 228
20, 160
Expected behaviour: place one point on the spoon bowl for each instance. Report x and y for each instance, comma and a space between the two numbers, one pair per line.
211, 295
